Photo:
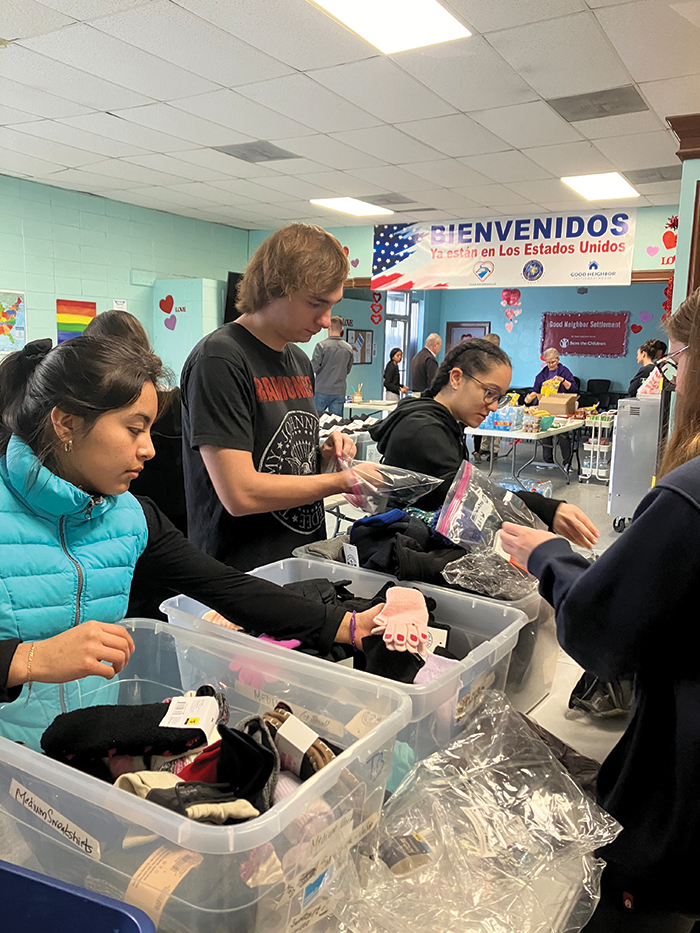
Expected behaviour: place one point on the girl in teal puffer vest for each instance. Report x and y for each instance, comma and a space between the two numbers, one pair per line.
70, 533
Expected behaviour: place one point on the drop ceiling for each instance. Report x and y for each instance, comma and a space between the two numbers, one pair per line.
134, 100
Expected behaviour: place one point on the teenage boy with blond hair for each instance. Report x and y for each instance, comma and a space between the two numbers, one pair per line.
254, 471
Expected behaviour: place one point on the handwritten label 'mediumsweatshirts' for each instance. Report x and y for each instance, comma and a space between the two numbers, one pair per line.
67, 829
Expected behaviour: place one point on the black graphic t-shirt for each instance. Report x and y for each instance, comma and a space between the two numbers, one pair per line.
240, 394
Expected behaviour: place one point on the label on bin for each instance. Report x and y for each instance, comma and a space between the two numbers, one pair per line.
192, 713
293, 740
157, 878
61, 824
352, 555
363, 722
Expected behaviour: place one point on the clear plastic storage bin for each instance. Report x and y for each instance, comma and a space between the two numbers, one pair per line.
483, 633
268, 875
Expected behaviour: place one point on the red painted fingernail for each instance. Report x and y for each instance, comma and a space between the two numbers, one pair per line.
387, 636
399, 637
413, 639
424, 636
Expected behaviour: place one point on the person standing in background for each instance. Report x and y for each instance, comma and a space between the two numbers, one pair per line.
553, 369
424, 365
332, 362
393, 389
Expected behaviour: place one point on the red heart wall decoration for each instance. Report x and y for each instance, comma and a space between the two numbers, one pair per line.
636, 328
166, 304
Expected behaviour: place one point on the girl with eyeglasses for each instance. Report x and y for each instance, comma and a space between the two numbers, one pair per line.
427, 433
634, 613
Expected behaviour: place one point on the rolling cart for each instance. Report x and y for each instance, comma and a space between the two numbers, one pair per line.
598, 448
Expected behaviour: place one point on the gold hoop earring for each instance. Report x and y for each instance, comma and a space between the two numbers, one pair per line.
68, 445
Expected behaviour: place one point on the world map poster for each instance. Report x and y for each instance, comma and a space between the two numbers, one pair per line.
13, 321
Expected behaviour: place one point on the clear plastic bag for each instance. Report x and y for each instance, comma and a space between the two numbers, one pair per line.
475, 508
490, 835
379, 487
486, 573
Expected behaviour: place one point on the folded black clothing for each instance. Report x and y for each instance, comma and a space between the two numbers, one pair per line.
249, 762
415, 563
83, 738
375, 658
204, 803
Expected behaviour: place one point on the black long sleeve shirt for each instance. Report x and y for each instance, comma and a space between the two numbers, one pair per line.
634, 613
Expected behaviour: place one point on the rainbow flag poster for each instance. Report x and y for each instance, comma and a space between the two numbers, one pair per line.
72, 317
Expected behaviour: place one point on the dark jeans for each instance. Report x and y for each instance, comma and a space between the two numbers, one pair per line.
611, 917
564, 445
334, 403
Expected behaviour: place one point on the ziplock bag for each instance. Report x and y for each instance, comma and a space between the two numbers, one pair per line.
386, 487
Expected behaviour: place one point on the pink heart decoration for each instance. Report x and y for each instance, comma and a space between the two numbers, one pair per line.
645, 317
510, 314
376, 307
509, 326
346, 250
166, 304
170, 322
652, 250
376, 318
511, 296
636, 328
354, 263
517, 311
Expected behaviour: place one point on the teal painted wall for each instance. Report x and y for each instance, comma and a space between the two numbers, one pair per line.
691, 176
523, 344
64, 244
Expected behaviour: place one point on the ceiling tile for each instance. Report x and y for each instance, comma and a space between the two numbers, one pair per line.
9, 116
643, 122
391, 178
584, 60
115, 168
172, 33
175, 198
87, 9
42, 147
443, 199
115, 129
92, 144
178, 123
219, 198
113, 60
641, 150
14, 162
382, 88
492, 195
293, 31
66, 81
329, 152
29, 18
296, 187
524, 125
302, 99
237, 112
467, 73
298, 166
342, 183
563, 206
246, 188
81, 180
546, 191
166, 163
387, 143
661, 187
447, 172
570, 159
662, 199
220, 162
506, 166
454, 135
653, 40
486, 16
516, 209
31, 100
672, 96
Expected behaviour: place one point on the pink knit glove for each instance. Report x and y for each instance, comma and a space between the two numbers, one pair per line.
403, 622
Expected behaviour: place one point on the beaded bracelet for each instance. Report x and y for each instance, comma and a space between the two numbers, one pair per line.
353, 625
30, 682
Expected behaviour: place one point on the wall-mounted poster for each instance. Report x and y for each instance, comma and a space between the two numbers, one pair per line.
361, 342
72, 317
593, 333
13, 321
456, 331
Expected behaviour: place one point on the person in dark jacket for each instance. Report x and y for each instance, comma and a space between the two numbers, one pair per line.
392, 383
424, 365
427, 433
646, 356
633, 613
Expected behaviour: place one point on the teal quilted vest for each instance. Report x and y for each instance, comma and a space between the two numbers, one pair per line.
65, 558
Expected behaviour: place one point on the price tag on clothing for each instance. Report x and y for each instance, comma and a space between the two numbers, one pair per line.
192, 713
352, 555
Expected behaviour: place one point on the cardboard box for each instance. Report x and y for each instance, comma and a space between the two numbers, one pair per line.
560, 404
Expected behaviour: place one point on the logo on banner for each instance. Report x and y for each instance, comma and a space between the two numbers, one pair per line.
482, 270
533, 270
592, 266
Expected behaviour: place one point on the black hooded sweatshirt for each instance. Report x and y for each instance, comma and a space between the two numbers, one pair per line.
421, 434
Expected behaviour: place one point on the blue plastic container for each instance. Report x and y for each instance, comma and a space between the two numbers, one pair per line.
31, 901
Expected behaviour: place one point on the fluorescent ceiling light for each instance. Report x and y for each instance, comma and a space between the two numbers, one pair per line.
351, 206
601, 187
396, 25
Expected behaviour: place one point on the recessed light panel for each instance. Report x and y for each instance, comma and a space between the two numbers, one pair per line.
396, 25
351, 206
601, 187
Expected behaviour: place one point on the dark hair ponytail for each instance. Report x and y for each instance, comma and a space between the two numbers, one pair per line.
471, 356
85, 376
